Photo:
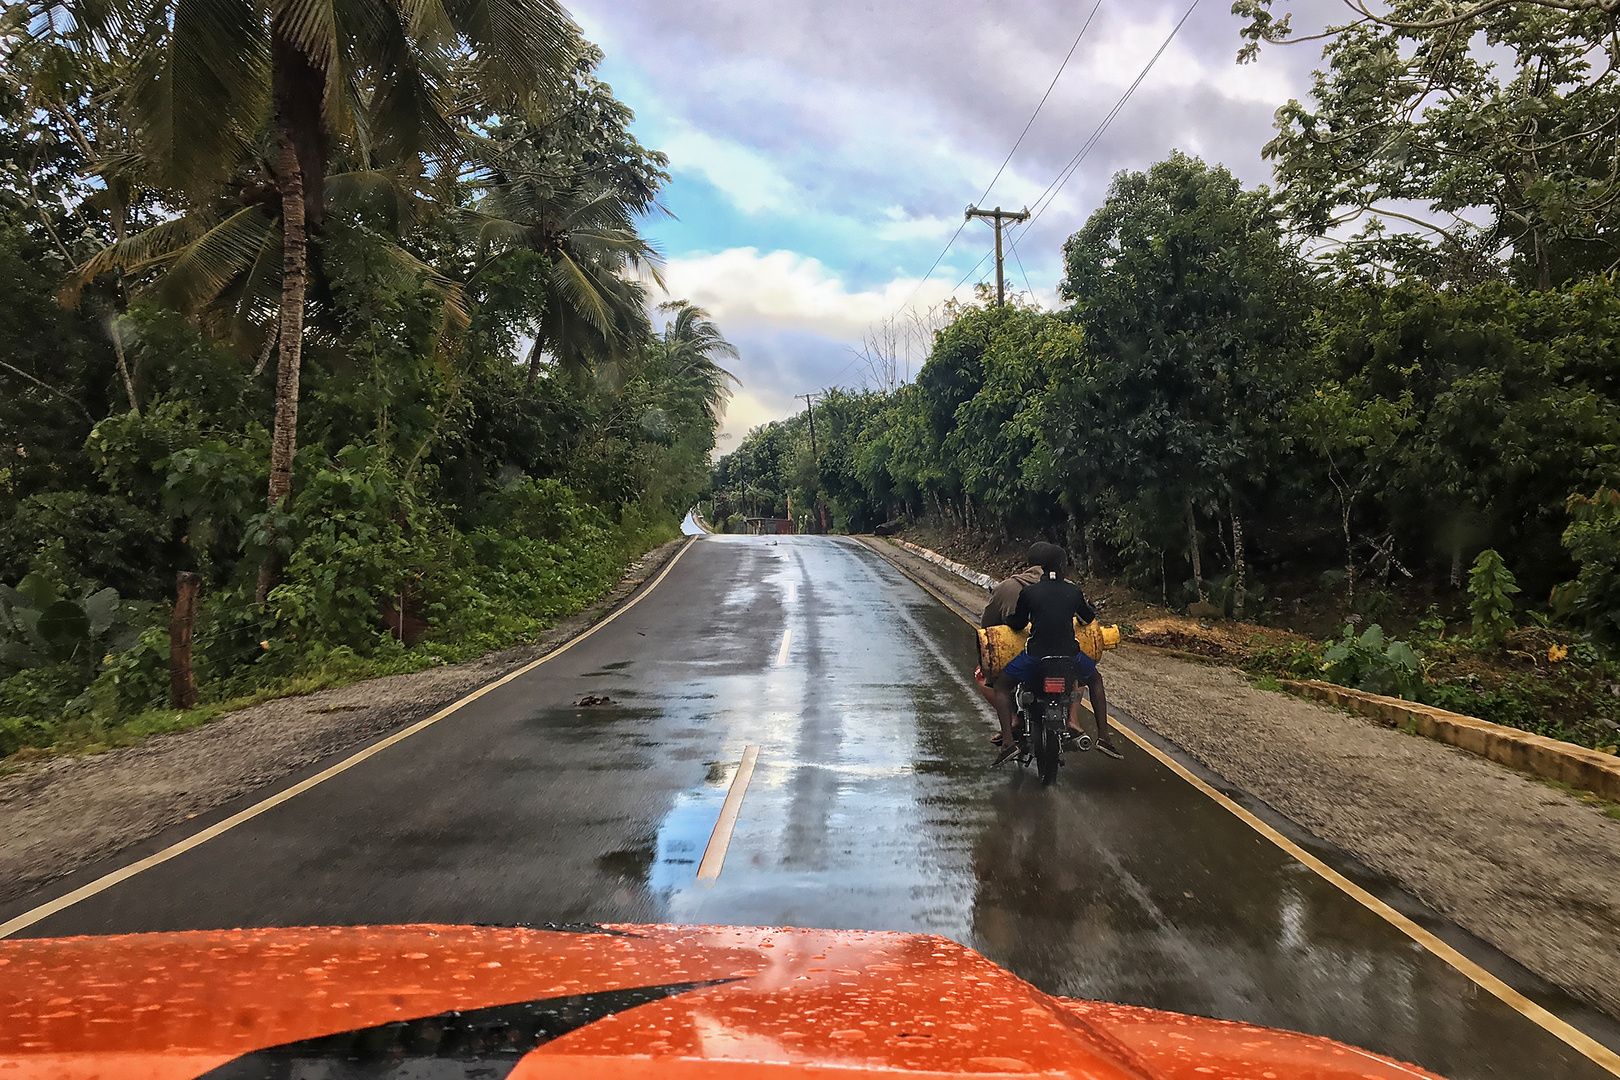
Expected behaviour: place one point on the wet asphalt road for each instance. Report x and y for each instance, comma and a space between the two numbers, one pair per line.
870, 807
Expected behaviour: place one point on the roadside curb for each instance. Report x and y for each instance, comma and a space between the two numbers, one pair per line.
983, 581
1550, 758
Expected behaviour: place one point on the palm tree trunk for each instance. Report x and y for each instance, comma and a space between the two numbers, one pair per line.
1197, 557
290, 339
1349, 557
117, 333
534, 358
1240, 568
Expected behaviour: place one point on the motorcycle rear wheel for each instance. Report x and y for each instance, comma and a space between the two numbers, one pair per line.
1048, 749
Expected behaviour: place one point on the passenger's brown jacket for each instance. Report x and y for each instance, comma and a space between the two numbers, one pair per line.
1004, 598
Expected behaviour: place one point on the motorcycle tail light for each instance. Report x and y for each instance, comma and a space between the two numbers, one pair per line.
1056, 685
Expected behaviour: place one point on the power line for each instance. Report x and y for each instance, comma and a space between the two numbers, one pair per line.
986, 255
1050, 87
1049, 196
941, 258
946, 250
1067, 172
1024, 272
971, 272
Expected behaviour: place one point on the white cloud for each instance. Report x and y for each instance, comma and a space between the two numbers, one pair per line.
748, 178
743, 288
748, 410
902, 227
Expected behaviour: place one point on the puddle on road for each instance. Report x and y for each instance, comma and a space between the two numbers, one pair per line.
684, 833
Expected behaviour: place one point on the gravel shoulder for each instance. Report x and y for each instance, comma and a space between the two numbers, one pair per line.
1520, 864
60, 814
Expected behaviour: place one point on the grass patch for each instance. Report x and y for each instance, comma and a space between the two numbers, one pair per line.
1607, 807
83, 735
319, 668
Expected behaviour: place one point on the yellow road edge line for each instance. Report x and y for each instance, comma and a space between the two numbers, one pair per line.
1562, 1030
107, 881
1568, 1033
714, 856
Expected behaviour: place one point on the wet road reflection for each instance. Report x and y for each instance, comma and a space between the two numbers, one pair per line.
870, 807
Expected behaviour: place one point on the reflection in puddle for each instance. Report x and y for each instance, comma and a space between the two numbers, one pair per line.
684, 833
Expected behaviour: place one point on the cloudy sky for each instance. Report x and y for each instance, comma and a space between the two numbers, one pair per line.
823, 153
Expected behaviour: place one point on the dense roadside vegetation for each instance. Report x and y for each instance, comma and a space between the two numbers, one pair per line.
1248, 410
451, 382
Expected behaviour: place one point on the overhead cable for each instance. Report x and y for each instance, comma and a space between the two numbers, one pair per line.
946, 250
1050, 87
1047, 197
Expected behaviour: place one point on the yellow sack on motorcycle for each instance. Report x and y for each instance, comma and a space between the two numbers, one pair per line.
1094, 637
999, 644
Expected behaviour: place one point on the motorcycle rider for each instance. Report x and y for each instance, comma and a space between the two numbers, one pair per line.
1049, 608
999, 612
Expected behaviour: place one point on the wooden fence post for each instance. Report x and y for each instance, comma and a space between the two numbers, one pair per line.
182, 681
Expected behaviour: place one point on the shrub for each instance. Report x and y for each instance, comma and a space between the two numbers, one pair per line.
1374, 663
349, 552
130, 682
1295, 660
1593, 539
1490, 588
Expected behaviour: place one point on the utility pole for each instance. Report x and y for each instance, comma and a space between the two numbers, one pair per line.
998, 217
815, 455
810, 407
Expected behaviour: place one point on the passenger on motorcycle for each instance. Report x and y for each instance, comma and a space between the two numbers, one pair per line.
1049, 608
999, 612
1003, 602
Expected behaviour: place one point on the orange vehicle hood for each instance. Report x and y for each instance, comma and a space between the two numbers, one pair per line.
595, 1003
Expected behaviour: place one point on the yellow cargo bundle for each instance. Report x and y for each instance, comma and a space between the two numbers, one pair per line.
1094, 637
999, 644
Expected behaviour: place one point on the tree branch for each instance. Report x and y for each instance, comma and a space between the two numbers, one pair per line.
49, 389
1574, 7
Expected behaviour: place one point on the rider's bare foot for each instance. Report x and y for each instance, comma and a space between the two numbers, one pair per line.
1106, 745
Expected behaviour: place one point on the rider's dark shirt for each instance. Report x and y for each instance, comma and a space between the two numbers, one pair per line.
1049, 608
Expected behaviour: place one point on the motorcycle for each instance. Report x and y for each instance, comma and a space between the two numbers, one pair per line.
1042, 716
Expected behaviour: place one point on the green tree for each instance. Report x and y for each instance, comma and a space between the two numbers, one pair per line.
1513, 401
690, 350
1193, 307
1491, 587
1355, 437
1414, 108
1593, 540
227, 83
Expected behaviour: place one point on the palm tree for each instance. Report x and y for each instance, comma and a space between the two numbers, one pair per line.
583, 223
221, 83
690, 344
219, 262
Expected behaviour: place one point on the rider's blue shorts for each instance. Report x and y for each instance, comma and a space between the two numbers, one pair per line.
1021, 668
